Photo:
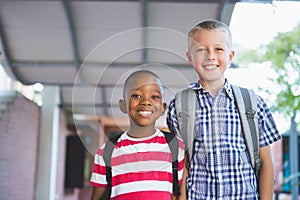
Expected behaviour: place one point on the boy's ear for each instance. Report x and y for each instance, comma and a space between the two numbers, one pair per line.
122, 106
189, 58
231, 55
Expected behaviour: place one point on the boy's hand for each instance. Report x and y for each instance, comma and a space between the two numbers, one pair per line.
97, 193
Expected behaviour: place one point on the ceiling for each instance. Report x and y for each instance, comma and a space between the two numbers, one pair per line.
89, 47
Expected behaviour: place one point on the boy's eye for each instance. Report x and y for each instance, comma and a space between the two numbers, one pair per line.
201, 50
136, 96
155, 97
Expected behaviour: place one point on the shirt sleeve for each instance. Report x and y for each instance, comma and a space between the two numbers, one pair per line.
266, 124
98, 177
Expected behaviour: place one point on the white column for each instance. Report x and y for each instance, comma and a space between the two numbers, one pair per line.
48, 145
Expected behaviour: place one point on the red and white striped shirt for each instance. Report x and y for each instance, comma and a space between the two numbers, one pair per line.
141, 168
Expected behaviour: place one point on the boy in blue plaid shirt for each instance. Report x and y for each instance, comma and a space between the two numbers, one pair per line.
220, 167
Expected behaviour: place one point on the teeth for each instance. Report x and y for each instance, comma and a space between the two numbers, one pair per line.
145, 113
210, 67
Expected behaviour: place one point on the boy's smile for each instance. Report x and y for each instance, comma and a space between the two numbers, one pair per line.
210, 67
144, 106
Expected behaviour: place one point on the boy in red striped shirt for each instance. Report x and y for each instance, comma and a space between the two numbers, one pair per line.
141, 161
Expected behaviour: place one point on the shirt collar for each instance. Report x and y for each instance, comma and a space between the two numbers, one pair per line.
196, 86
227, 87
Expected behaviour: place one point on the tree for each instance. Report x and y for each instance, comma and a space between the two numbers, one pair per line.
284, 54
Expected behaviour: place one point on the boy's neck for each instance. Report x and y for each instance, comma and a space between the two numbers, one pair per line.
141, 132
213, 87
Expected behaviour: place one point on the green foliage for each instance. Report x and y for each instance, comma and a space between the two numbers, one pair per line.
283, 52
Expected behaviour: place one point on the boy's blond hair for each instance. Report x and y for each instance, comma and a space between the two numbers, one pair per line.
210, 25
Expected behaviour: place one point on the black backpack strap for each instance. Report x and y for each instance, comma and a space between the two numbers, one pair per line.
173, 145
108, 149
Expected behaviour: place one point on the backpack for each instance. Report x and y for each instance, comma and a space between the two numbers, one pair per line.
109, 147
245, 100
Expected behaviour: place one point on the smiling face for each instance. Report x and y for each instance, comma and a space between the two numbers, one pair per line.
143, 102
210, 54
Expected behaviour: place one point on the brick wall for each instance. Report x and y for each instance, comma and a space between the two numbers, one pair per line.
18, 150
19, 131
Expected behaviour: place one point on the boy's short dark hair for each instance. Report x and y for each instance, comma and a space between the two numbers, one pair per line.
144, 72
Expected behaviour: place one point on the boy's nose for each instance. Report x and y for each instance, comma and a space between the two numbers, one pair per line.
145, 102
211, 55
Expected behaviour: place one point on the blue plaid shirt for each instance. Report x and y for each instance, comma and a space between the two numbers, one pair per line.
220, 167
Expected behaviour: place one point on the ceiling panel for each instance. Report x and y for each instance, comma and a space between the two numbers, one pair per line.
35, 30
97, 22
30, 74
180, 16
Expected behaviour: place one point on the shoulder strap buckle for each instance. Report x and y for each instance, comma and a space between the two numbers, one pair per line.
250, 114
